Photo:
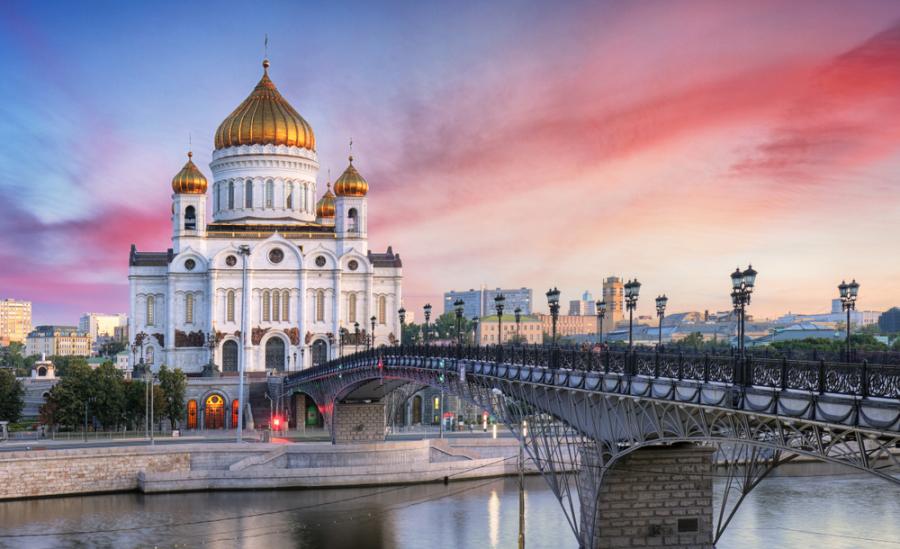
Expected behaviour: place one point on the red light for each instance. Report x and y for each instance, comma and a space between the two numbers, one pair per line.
277, 422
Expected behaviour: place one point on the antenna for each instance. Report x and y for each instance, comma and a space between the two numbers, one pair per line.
266, 46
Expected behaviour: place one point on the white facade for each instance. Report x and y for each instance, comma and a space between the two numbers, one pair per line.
275, 283
97, 325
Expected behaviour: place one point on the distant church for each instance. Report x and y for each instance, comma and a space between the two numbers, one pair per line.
276, 277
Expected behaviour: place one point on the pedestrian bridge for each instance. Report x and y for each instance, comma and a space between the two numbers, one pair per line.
599, 424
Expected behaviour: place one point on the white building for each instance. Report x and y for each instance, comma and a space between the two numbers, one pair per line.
101, 325
275, 275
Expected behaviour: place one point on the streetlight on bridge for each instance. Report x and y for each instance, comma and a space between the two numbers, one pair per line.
372, 320
475, 321
848, 303
661, 313
401, 312
601, 314
459, 307
518, 313
553, 302
632, 290
427, 309
499, 300
356, 337
742, 284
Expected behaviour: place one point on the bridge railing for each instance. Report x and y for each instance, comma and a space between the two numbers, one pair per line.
814, 376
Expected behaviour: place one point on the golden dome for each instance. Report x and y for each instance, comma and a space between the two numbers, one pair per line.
265, 118
351, 183
325, 205
189, 180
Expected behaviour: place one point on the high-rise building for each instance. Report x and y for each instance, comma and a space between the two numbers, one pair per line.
889, 321
481, 302
584, 306
57, 341
101, 325
15, 320
614, 296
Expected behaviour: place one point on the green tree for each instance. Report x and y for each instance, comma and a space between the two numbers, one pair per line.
134, 392
112, 348
64, 364
412, 333
694, 339
11, 393
173, 384
108, 393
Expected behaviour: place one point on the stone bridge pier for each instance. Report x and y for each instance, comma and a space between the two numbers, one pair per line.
653, 497
358, 422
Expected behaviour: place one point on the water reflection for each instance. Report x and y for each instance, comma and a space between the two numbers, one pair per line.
838, 513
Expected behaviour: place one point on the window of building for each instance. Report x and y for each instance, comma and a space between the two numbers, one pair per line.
189, 309
289, 200
276, 305
235, 411
352, 220
192, 414
231, 195
320, 306
351, 308
151, 304
382, 309
270, 193
229, 306
266, 303
285, 305
190, 219
248, 193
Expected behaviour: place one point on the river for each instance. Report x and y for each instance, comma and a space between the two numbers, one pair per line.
821, 512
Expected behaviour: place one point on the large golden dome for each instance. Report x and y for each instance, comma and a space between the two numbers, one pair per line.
265, 118
189, 180
351, 183
325, 205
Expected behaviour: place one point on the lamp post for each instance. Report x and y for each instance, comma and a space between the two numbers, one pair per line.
632, 290
372, 322
211, 370
458, 308
356, 337
742, 283
475, 321
427, 309
244, 251
518, 313
90, 399
848, 303
601, 314
401, 312
661, 313
499, 301
553, 302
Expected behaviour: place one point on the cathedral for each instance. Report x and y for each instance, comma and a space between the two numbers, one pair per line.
273, 279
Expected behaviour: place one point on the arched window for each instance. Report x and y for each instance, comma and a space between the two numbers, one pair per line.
229, 306
248, 193
270, 193
382, 309
266, 303
285, 305
304, 193
148, 354
151, 305
235, 410
289, 200
320, 306
352, 220
230, 356
192, 414
189, 309
351, 308
231, 195
190, 219
276, 305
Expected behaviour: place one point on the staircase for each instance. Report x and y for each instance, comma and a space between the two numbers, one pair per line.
260, 406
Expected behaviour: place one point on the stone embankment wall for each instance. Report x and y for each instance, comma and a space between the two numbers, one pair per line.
53, 473
362, 422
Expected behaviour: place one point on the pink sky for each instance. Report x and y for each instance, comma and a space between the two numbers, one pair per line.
670, 141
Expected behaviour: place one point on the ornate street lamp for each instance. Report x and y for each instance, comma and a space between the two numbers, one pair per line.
632, 291
742, 283
553, 301
499, 300
661, 313
401, 312
210, 370
518, 313
475, 321
848, 293
356, 337
458, 308
372, 321
601, 314
427, 309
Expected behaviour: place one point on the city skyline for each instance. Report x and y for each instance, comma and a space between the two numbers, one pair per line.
771, 148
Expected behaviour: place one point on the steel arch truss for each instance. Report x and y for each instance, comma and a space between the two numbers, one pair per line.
575, 434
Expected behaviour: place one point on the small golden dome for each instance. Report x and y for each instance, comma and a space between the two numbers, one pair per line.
189, 180
325, 205
351, 183
265, 118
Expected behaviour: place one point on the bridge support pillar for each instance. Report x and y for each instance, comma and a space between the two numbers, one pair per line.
358, 422
653, 497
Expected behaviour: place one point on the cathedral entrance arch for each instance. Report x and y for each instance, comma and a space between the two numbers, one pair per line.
230, 356
275, 354
319, 352
417, 410
214, 412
